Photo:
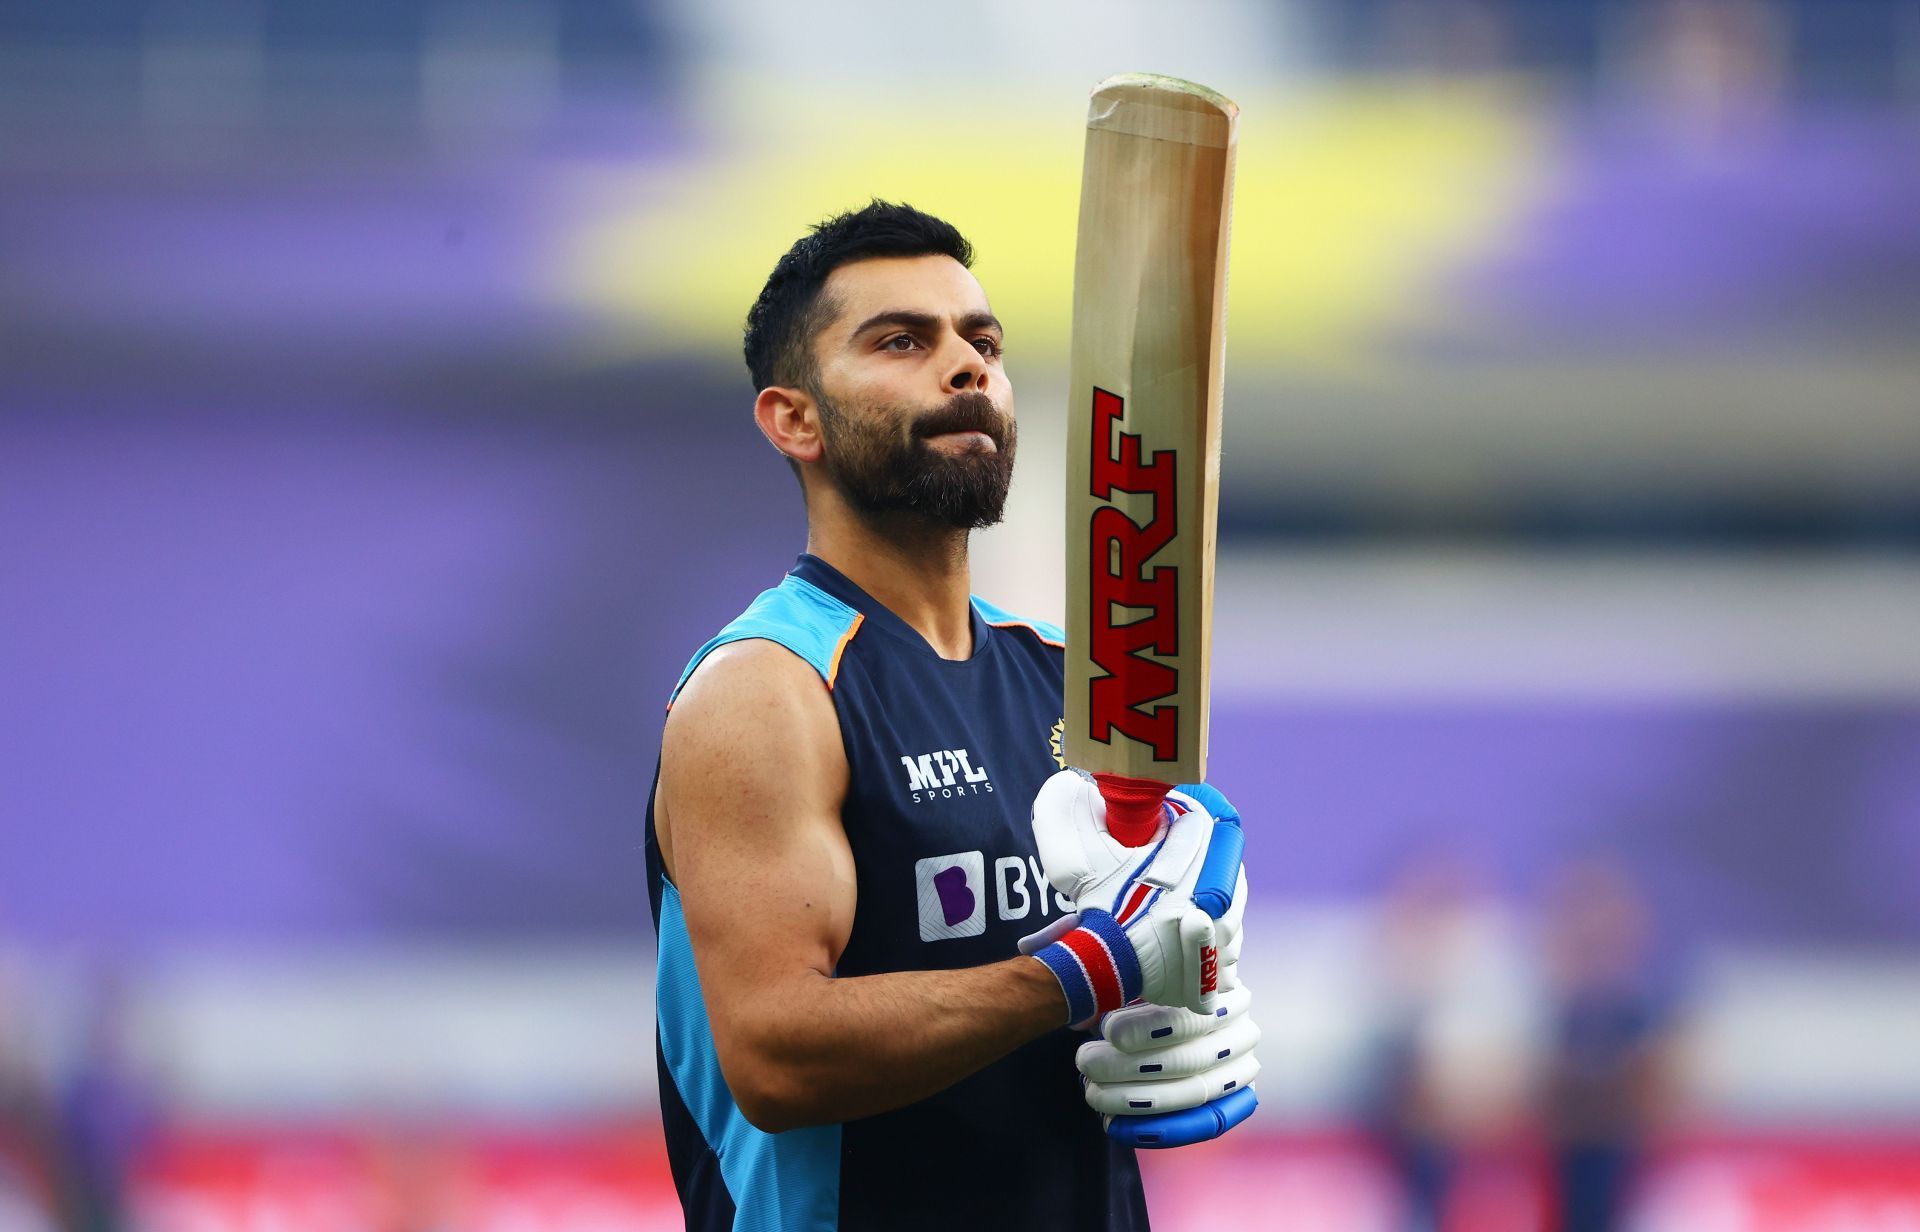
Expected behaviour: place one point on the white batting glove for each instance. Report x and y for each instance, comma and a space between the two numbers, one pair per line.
1156, 1059
1136, 932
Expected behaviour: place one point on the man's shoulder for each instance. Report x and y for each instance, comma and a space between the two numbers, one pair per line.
761, 673
807, 622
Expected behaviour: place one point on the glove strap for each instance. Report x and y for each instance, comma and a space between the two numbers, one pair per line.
1096, 966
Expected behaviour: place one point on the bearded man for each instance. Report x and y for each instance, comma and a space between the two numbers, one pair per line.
866, 978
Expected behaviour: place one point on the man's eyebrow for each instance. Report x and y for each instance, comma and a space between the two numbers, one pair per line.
907, 318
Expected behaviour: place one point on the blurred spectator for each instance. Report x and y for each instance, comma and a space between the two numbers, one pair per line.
25, 1191
1608, 1083
104, 1113
1457, 1052
1712, 69
418, 1171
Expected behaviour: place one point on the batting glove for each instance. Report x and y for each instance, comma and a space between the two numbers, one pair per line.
1162, 1076
1136, 931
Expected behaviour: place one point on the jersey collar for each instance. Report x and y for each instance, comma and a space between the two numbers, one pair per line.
811, 569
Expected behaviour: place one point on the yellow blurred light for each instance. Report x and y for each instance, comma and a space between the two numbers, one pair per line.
1350, 207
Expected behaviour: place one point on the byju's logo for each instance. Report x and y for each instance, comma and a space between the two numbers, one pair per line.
953, 893
953, 898
944, 774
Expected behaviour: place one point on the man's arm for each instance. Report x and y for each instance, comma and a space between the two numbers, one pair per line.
752, 777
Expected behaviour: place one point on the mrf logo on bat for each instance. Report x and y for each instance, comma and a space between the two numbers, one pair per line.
1120, 551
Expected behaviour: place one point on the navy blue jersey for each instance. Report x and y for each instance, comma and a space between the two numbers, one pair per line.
944, 759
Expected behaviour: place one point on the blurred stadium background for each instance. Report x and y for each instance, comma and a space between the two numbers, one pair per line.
374, 447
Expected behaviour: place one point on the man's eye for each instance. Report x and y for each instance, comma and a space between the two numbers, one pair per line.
895, 343
986, 346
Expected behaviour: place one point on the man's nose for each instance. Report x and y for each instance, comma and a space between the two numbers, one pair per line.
970, 371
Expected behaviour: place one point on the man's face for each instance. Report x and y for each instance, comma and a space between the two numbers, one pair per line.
916, 414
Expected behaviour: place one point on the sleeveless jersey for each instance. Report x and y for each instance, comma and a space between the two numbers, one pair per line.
944, 759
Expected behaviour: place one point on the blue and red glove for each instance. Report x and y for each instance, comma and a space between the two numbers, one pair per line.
1136, 931
1158, 923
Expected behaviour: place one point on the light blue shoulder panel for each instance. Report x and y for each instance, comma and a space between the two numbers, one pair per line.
788, 1182
796, 614
1047, 631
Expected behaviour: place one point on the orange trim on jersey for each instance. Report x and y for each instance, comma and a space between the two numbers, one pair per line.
833, 668
1033, 629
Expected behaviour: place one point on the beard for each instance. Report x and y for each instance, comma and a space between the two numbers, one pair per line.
883, 472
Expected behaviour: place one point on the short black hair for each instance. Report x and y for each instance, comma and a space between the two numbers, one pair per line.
782, 322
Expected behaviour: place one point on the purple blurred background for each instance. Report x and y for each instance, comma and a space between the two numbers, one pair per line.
374, 448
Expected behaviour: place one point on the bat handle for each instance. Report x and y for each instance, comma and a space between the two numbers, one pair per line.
1133, 807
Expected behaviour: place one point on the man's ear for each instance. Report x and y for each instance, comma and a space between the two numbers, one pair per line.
790, 418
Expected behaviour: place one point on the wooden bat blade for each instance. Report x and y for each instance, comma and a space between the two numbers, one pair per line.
1143, 441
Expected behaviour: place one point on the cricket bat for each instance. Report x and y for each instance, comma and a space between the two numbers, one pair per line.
1143, 438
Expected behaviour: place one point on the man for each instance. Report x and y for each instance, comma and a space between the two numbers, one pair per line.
840, 854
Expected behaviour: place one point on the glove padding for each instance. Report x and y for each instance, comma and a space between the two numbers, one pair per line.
1135, 931
1157, 1058
1169, 1129
1166, 1077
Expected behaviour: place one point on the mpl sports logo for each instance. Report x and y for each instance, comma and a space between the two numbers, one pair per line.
944, 774
1119, 549
953, 891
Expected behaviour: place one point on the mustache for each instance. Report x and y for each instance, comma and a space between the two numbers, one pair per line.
967, 412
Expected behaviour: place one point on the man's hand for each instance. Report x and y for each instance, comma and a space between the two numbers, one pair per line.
1136, 930
1163, 1076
